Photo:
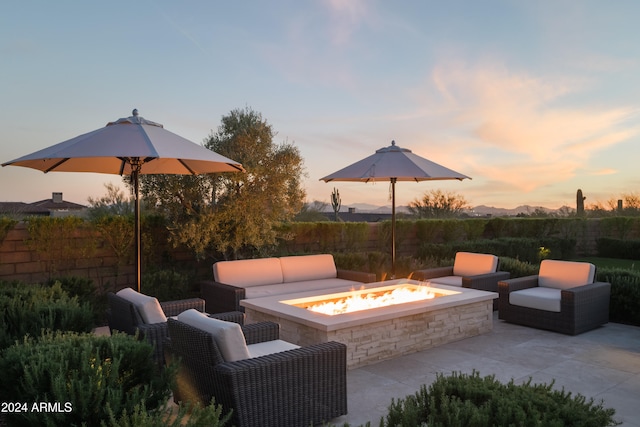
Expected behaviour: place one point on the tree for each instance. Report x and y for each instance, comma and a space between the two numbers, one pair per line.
234, 214
438, 204
115, 202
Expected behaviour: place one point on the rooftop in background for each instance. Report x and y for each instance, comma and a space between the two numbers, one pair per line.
55, 206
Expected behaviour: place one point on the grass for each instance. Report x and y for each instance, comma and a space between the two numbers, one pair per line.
628, 264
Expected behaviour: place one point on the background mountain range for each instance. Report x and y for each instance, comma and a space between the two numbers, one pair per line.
480, 210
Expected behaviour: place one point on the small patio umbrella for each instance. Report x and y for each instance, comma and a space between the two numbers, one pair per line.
129, 146
394, 164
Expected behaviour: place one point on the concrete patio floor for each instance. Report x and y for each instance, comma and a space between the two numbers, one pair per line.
603, 364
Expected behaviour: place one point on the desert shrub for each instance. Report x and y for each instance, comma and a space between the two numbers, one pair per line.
183, 416
29, 309
469, 400
518, 268
87, 375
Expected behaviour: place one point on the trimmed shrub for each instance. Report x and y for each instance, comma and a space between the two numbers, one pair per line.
469, 400
169, 285
87, 376
618, 248
625, 294
30, 309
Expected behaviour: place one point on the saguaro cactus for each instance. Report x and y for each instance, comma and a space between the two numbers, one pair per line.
336, 202
580, 203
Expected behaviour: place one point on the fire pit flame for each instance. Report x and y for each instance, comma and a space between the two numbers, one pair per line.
359, 301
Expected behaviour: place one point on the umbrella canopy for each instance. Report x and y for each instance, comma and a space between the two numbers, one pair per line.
394, 164
129, 146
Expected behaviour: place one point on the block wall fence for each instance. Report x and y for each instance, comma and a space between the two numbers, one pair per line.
20, 262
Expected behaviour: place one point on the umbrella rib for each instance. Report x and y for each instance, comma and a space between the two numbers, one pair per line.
56, 165
187, 167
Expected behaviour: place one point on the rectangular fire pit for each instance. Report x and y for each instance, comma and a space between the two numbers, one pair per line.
380, 333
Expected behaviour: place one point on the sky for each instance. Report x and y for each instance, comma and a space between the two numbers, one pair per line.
532, 100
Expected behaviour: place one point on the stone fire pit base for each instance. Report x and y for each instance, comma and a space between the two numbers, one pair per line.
372, 340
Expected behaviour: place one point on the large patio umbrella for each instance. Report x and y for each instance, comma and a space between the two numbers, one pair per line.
129, 146
394, 164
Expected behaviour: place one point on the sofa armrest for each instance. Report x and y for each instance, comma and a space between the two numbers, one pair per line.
220, 297
358, 276
173, 308
485, 282
431, 273
261, 332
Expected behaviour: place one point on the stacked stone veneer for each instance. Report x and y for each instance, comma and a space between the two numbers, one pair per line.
373, 342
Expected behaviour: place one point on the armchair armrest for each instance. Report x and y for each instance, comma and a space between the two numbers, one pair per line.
432, 273
297, 377
230, 316
517, 284
485, 282
358, 276
155, 334
173, 308
221, 297
261, 332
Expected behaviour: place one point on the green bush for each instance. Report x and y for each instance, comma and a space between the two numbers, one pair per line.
618, 248
625, 294
29, 309
169, 285
522, 248
88, 376
469, 400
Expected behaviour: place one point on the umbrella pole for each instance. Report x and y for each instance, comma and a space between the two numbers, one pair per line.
135, 176
393, 228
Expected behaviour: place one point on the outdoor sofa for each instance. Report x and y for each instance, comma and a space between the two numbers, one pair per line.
563, 297
247, 369
261, 277
132, 312
469, 270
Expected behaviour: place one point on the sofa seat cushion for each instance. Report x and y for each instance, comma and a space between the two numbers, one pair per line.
248, 272
471, 264
293, 287
308, 267
270, 347
227, 335
446, 280
148, 307
565, 274
540, 298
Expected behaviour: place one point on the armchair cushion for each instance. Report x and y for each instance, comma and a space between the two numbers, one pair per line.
540, 298
473, 264
242, 273
448, 280
565, 274
149, 307
227, 335
308, 267
270, 347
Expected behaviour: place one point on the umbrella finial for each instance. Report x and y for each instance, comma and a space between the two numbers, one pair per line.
393, 142
135, 112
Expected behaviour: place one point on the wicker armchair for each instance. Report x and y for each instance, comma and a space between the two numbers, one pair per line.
563, 298
298, 387
124, 316
470, 270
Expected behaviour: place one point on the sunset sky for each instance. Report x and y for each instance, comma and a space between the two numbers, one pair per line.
532, 99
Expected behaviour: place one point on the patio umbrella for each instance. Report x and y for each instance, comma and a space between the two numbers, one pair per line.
394, 164
129, 146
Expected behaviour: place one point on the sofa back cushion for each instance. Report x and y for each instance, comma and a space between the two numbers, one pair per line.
565, 274
227, 335
248, 272
471, 264
148, 307
308, 267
